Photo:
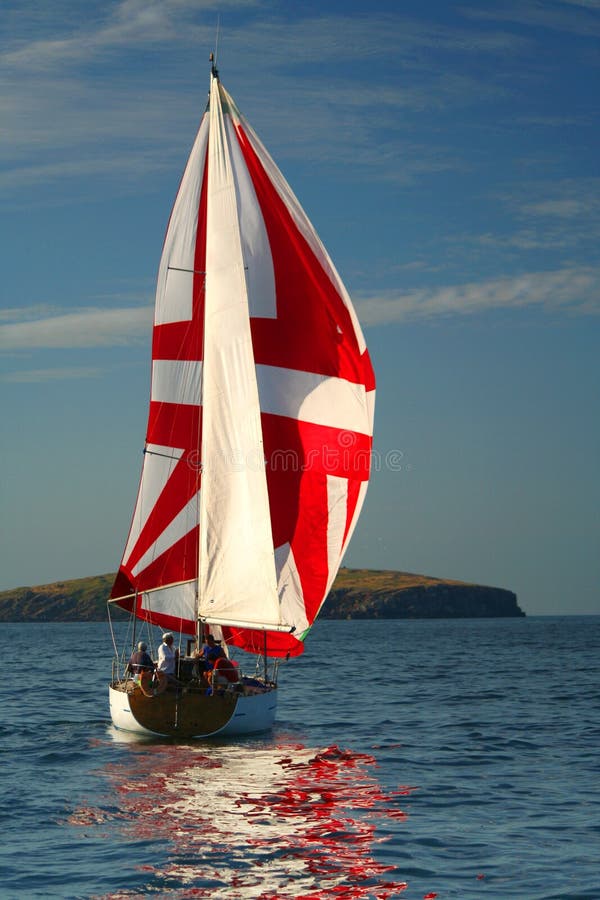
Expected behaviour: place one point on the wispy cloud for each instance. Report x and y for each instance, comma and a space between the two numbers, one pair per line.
71, 86
84, 328
570, 17
574, 199
40, 376
128, 23
27, 313
563, 214
576, 290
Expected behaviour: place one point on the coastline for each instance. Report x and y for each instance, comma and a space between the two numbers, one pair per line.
356, 594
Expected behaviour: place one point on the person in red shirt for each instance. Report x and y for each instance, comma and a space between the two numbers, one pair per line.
224, 672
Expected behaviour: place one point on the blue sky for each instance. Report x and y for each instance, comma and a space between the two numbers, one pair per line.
447, 154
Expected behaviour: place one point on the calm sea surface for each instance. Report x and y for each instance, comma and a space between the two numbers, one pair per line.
449, 759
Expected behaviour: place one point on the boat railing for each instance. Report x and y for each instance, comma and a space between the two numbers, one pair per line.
268, 674
189, 674
119, 670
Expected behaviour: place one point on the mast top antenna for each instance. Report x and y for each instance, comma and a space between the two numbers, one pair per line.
213, 56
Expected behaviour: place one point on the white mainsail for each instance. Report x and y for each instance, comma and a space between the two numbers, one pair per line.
237, 576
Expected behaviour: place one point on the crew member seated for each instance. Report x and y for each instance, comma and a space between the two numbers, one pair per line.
206, 657
140, 661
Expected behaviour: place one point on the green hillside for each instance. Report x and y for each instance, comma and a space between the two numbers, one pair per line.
356, 593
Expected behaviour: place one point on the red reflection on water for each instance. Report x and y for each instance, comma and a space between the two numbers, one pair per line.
260, 822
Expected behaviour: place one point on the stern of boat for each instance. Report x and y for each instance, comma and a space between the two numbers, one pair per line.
188, 712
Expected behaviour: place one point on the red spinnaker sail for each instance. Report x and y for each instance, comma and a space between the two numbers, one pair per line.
316, 392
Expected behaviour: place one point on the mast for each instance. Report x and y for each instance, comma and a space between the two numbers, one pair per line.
199, 624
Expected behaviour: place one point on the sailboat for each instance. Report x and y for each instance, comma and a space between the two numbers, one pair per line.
258, 445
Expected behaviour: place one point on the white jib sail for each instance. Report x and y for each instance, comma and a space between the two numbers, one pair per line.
237, 581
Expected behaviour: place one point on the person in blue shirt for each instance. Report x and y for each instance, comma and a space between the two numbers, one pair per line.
211, 651
206, 657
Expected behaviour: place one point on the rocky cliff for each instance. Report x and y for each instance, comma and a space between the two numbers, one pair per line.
356, 594
396, 595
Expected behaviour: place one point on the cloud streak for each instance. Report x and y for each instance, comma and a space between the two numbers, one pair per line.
575, 290
83, 328
70, 88
40, 376
579, 19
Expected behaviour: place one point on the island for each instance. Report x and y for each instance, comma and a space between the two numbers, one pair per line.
356, 594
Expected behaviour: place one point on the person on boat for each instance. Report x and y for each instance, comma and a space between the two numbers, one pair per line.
224, 672
140, 661
206, 657
167, 658
211, 651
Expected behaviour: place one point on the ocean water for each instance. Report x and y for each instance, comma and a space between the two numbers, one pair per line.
419, 759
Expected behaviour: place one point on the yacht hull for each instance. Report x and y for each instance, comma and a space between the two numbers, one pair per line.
190, 713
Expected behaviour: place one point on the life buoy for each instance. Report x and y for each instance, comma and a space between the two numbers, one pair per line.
226, 671
146, 686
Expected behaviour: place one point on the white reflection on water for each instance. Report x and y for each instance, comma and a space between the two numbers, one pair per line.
254, 819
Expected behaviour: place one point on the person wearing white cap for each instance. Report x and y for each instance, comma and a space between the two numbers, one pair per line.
167, 656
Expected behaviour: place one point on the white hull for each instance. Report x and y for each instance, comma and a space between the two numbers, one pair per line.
246, 714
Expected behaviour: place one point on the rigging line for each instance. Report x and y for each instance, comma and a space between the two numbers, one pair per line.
217, 38
165, 455
112, 631
190, 271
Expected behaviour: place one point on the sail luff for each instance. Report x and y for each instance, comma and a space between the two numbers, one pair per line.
237, 578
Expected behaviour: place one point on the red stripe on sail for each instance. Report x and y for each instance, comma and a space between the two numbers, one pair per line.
123, 585
182, 485
293, 445
309, 542
278, 643
313, 331
368, 374
178, 563
174, 425
178, 340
